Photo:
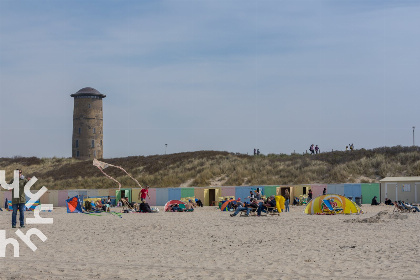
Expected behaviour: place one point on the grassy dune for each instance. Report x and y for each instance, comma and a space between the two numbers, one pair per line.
205, 168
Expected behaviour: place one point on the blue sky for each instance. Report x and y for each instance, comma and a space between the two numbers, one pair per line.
210, 75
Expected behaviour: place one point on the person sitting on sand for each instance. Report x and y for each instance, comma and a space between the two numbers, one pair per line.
239, 203
251, 195
410, 207
232, 205
388, 201
270, 202
189, 206
257, 195
145, 207
247, 207
175, 208
374, 201
310, 195
198, 202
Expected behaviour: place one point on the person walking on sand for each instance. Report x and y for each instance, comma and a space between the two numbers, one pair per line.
19, 202
143, 193
312, 149
287, 200
310, 195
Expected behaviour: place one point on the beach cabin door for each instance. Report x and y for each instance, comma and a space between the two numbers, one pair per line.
283, 191
212, 197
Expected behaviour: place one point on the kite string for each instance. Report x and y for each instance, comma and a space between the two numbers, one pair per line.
127, 174
119, 185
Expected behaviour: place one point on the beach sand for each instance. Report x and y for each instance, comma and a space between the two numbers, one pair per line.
209, 244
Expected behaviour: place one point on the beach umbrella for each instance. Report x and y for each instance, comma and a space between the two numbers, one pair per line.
224, 205
172, 202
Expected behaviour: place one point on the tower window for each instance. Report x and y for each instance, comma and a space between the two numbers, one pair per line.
77, 143
93, 143
80, 130
89, 105
101, 142
94, 130
77, 153
94, 154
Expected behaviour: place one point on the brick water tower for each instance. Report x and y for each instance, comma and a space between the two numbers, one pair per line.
87, 140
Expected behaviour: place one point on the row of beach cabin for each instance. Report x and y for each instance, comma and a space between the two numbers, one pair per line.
395, 188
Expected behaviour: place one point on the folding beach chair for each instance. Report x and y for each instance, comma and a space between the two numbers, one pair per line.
398, 208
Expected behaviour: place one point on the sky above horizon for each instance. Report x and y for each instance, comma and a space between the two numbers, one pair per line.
210, 75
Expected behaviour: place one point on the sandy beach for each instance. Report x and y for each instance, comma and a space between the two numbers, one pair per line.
209, 244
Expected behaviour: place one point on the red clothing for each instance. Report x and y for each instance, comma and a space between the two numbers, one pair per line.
144, 193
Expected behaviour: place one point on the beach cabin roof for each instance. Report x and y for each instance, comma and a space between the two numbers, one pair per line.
400, 179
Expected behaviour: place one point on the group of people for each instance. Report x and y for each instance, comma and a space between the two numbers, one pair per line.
256, 152
314, 149
257, 205
402, 205
189, 207
350, 146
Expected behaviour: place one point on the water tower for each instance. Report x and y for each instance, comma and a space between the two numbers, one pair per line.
87, 140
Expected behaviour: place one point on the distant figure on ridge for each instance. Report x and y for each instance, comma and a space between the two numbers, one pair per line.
312, 149
317, 149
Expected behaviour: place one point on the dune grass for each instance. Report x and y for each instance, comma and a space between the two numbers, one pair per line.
204, 168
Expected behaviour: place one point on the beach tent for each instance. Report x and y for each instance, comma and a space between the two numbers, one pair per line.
73, 205
318, 206
171, 202
225, 204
